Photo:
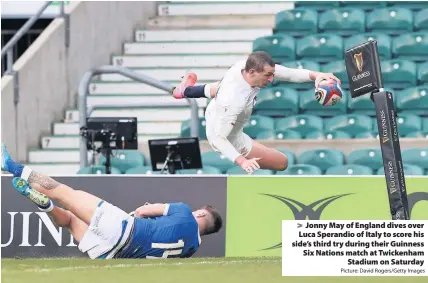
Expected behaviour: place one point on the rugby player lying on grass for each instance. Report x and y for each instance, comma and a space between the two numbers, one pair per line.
105, 231
233, 101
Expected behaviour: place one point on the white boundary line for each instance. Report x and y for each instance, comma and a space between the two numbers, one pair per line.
136, 265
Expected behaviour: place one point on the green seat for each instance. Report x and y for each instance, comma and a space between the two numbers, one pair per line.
349, 169
391, 20
366, 5
302, 64
309, 105
207, 170
414, 5
368, 157
418, 135
416, 156
142, 170
334, 135
383, 43
280, 47
409, 170
277, 101
98, 170
217, 160
303, 124
366, 135
124, 159
318, 6
411, 46
425, 125
321, 48
238, 171
290, 155
185, 129
399, 73
344, 21
322, 158
287, 135
339, 70
423, 73
257, 124
351, 124
296, 22
266, 135
408, 123
363, 105
413, 100
301, 169
420, 20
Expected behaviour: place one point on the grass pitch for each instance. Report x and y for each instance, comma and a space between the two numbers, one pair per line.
195, 270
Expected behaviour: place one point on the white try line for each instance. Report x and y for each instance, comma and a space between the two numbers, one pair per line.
136, 265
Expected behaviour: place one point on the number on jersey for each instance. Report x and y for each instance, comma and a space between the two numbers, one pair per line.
169, 249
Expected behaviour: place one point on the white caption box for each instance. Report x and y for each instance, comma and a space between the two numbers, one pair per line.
354, 248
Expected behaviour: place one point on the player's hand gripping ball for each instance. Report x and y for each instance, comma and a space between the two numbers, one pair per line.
328, 93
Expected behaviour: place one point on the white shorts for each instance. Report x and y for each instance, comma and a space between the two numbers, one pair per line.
108, 231
242, 143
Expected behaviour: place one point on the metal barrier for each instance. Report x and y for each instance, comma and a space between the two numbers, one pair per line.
84, 112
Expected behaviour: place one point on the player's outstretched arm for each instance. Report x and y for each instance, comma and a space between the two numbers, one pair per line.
283, 73
151, 210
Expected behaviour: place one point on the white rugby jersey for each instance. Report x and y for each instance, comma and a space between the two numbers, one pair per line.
233, 105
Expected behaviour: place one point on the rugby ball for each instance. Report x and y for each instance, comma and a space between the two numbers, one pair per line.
328, 93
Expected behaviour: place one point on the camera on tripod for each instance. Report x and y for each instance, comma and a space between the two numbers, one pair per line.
105, 134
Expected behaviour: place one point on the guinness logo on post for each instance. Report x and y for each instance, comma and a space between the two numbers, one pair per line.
359, 61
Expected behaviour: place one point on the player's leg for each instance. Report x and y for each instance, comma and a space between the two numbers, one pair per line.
80, 203
61, 217
271, 159
187, 89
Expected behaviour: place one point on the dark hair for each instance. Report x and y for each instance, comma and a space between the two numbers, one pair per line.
257, 60
215, 223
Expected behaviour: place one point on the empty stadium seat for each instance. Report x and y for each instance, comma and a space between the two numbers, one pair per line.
125, 159
414, 5
338, 68
368, 157
351, 124
408, 123
302, 124
321, 48
143, 170
425, 125
266, 135
363, 105
366, 135
391, 20
287, 135
420, 21
343, 21
349, 169
366, 5
302, 64
399, 73
411, 46
99, 170
277, 101
296, 22
280, 47
384, 43
217, 160
322, 158
416, 156
258, 123
413, 100
239, 171
409, 170
186, 129
423, 73
301, 169
309, 105
318, 6
418, 135
334, 135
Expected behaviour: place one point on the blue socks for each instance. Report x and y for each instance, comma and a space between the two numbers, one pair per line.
14, 168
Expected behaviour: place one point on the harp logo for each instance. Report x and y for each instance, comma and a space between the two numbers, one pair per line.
359, 61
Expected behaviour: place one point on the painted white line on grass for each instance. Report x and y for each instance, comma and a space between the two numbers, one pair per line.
112, 266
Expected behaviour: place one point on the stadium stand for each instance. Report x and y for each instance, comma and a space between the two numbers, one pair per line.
312, 35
